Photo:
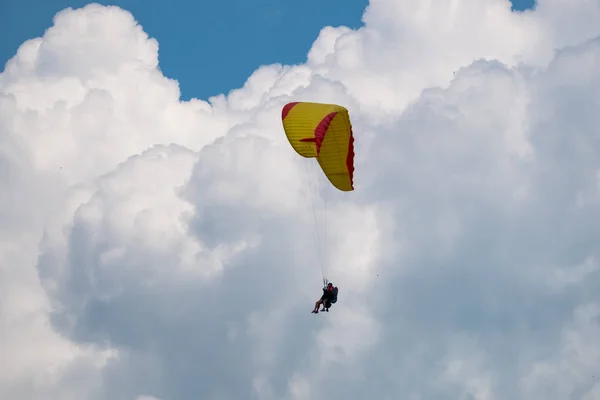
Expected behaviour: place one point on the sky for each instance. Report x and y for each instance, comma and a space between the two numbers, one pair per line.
154, 247
208, 47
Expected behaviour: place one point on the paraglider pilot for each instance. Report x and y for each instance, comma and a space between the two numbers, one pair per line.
328, 298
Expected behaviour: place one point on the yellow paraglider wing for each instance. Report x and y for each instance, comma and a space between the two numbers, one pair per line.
324, 132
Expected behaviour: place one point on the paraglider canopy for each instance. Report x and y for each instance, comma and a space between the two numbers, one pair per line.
324, 132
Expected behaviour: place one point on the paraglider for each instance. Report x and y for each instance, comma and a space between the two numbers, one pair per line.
328, 298
323, 132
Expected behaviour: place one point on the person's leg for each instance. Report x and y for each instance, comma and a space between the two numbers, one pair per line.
317, 304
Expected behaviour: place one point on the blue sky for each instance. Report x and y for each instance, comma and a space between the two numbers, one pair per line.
209, 47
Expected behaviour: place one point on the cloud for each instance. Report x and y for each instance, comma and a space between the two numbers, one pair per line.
157, 249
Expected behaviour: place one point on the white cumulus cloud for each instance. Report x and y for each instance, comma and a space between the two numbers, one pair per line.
152, 248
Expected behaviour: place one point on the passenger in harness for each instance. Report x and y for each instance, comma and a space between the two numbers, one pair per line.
328, 298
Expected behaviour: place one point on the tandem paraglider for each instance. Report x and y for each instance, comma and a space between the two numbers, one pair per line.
323, 132
328, 298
